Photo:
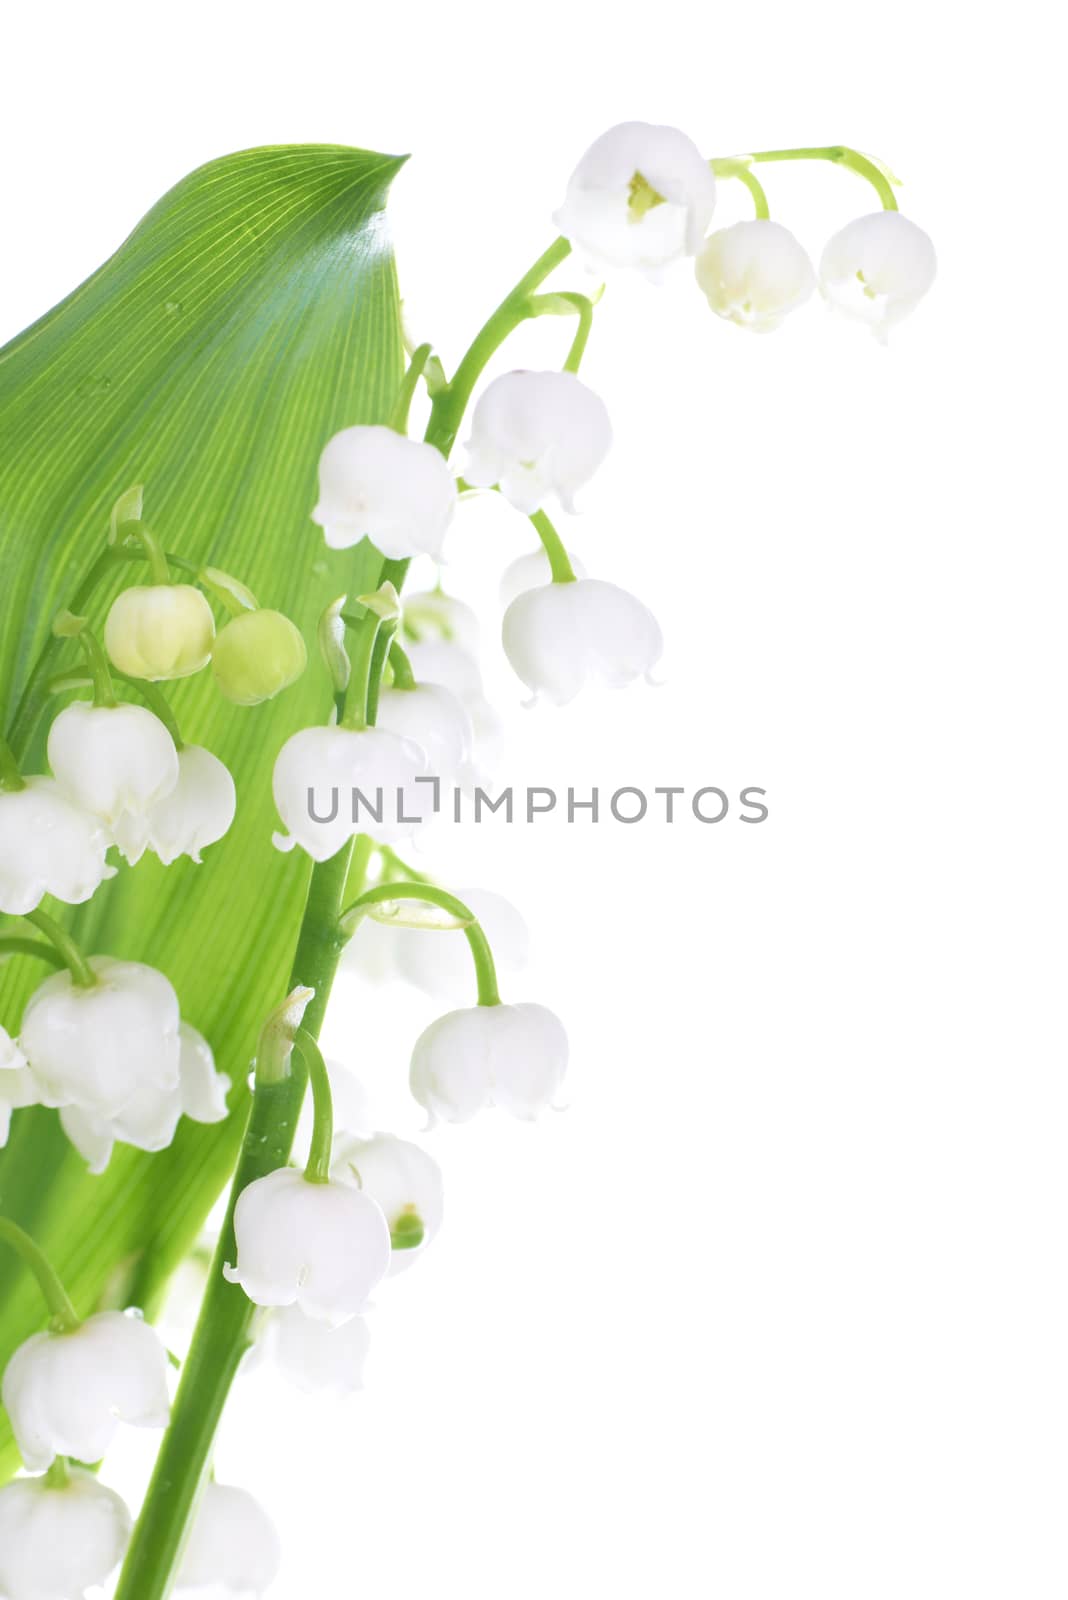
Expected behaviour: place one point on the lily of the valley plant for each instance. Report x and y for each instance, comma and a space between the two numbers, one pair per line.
237, 432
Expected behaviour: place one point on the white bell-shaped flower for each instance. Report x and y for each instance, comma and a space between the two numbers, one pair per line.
376, 484
330, 783
877, 269
433, 614
198, 811
511, 1056
48, 845
100, 1047
405, 1182
431, 717
537, 434
450, 665
17, 1088
440, 964
57, 1541
642, 196
754, 273
150, 1119
114, 761
322, 1246
531, 572
565, 636
160, 631
233, 1547
66, 1393
315, 1358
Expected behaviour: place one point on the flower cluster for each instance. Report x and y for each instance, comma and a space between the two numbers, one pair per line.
103, 1041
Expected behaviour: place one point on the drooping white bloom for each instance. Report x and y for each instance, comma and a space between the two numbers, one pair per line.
567, 635
314, 1357
531, 572
431, 717
150, 1119
114, 761
330, 783
537, 434
376, 484
440, 964
66, 1393
100, 1048
198, 811
17, 1088
642, 196
58, 1541
405, 1182
48, 845
877, 269
322, 1246
754, 273
431, 613
160, 631
233, 1545
511, 1056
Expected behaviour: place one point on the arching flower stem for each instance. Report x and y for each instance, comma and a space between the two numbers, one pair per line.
10, 776
559, 560
726, 167
13, 946
430, 894
72, 957
317, 1169
64, 1318
840, 154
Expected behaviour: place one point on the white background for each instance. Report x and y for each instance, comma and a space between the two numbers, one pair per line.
776, 1309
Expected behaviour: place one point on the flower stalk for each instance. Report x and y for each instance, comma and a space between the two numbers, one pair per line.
60, 1309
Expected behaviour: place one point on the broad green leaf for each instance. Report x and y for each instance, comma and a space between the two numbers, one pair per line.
251, 314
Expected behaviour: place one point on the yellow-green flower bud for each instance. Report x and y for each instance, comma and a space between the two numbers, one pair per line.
257, 655
160, 632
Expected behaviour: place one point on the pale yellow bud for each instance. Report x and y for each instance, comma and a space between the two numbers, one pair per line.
160, 632
257, 655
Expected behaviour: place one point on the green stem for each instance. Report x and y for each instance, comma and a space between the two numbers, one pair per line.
403, 676
63, 1315
360, 700
157, 702
58, 1474
559, 560
842, 156
430, 894
154, 551
81, 972
317, 1169
100, 671
449, 406
10, 776
727, 168
567, 304
12, 946
223, 1331
398, 420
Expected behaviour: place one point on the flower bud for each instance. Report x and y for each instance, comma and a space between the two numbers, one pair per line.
232, 1546
56, 1541
315, 1358
405, 1182
330, 783
100, 1047
565, 636
197, 812
17, 1088
114, 761
642, 196
376, 484
537, 434
149, 1120
160, 631
66, 1393
257, 655
48, 845
322, 1246
754, 273
877, 269
511, 1056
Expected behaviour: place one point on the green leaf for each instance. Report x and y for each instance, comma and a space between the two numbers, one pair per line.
252, 314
